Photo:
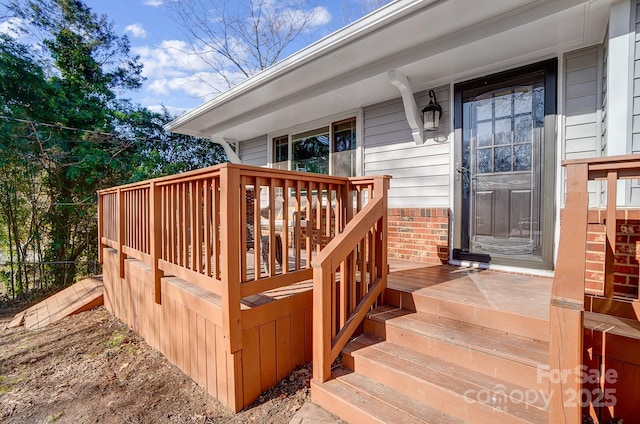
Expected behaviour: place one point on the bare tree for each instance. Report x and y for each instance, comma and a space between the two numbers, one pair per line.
238, 38
355, 9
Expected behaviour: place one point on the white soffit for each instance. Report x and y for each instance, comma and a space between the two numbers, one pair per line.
430, 42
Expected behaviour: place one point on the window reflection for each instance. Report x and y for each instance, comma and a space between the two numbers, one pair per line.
330, 149
504, 124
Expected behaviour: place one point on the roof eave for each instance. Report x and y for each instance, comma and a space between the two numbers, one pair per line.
344, 36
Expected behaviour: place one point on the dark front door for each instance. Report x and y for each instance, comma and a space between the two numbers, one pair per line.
505, 167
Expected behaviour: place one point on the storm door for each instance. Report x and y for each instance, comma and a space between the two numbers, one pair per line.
505, 167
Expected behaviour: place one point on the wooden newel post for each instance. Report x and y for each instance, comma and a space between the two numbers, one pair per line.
155, 235
121, 232
321, 322
567, 303
230, 246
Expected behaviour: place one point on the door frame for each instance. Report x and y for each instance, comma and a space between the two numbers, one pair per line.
548, 180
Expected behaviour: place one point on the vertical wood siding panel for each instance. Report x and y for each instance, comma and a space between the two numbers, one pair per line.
220, 366
268, 355
251, 362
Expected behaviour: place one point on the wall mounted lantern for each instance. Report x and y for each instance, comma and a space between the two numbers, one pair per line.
431, 113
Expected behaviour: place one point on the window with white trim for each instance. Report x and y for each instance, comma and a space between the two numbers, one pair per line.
328, 149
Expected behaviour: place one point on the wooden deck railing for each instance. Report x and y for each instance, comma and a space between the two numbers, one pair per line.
568, 293
234, 230
348, 276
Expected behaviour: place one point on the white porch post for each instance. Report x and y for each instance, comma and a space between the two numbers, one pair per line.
619, 106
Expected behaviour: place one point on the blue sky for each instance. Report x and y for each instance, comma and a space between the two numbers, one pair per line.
174, 78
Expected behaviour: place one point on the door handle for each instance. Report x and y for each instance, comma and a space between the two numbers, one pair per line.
460, 170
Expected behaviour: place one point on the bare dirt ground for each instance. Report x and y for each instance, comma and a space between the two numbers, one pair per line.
90, 368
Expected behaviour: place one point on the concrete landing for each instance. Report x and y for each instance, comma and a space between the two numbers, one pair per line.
79, 297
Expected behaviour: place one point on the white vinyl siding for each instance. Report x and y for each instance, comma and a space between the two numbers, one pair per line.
420, 173
635, 123
582, 103
254, 151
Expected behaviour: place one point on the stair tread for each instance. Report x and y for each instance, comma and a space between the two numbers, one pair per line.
612, 324
527, 296
382, 402
509, 346
455, 379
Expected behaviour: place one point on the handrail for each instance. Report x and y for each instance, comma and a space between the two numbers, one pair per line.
568, 291
340, 304
193, 226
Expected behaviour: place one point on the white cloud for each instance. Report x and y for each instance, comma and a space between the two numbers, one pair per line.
171, 58
172, 68
320, 17
136, 30
173, 111
11, 27
154, 3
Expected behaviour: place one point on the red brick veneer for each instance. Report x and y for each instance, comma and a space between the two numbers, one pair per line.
419, 234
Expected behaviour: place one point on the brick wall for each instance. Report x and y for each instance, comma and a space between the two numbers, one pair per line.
419, 234
626, 256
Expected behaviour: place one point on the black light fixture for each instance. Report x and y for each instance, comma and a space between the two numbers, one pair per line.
431, 113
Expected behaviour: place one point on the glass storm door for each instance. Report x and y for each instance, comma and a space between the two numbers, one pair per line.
501, 169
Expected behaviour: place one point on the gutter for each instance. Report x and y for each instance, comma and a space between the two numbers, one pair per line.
373, 22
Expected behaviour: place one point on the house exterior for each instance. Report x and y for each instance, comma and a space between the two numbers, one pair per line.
241, 272
523, 85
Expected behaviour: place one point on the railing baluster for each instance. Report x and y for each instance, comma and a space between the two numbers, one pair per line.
199, 226
272, 228
309, 223
243, 229
207, 227
297, 242
285, 226
257, 230
216, 226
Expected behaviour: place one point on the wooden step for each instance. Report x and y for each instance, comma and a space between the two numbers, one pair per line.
468, 309
358, 399
449, 387
515, 359
516, 304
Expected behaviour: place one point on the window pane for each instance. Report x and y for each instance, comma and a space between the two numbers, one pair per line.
484, 134
522, 101
502, 159
522, 157
483, 109
503, 131
503, 104
344, 145
311, 151
522, 130
484, 161
281, 151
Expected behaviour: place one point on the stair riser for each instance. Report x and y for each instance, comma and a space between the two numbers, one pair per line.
433, 395
353, 414
520, 325
485, 363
